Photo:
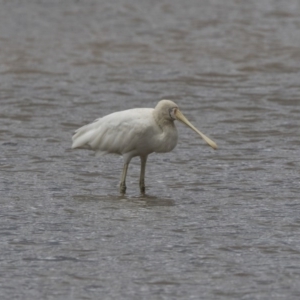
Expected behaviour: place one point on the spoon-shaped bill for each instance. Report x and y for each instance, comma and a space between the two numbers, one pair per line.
183, 119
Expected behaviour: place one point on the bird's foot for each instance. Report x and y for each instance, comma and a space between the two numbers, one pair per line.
122, 188
142, 188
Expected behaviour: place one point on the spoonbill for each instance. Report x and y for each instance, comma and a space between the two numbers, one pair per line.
135, 132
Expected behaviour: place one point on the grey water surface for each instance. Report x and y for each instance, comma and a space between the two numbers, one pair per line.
219, 224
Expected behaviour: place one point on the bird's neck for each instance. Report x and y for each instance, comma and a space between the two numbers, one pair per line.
162, 121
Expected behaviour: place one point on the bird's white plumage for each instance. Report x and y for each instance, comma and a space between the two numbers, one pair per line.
134, 132
117, 133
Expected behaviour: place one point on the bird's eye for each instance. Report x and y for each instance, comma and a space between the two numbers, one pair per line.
172, 113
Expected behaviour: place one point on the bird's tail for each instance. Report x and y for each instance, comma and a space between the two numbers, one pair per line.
83, 136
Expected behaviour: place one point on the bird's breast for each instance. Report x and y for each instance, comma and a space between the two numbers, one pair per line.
166, 141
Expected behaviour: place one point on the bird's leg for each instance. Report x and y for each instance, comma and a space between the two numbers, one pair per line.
142, 176
123, 179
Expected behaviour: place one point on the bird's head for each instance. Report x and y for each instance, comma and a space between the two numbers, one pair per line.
170, 111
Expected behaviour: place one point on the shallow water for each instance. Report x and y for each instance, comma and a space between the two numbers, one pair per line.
214, 224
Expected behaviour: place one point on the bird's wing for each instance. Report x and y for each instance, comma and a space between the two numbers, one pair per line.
118, 133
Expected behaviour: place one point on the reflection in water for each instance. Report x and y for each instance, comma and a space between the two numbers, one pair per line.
142, 200
149, 200
210, 221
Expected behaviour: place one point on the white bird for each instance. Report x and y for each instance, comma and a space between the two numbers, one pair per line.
135, 132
